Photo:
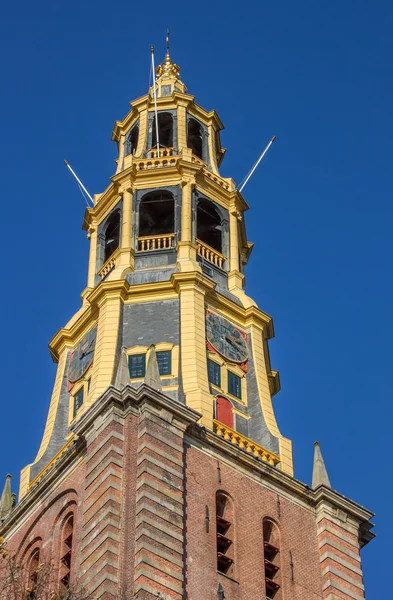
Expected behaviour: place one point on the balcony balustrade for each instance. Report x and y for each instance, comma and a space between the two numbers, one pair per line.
210, 254
148, 243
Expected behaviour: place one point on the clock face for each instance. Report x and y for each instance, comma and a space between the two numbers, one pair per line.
226, 338
82, 357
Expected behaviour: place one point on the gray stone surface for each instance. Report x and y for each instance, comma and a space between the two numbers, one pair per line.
155, 258
152, 323
60, 428
257, 427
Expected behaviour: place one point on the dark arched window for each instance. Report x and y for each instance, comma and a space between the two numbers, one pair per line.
225, 534
209, 229
165, 131
112, 235
66, 552
33, 575
271, 547
194, 137
224, 412
157, 214
131, 143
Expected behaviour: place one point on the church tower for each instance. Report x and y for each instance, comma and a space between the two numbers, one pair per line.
162, 471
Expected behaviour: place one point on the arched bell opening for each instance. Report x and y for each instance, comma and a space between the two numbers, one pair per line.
156, 221
225, 534
66, 552
112, 235
209, 228
195, 137
165, 131
271, 548
33, 574
131, 143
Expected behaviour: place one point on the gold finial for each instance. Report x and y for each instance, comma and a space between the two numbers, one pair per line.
168, 68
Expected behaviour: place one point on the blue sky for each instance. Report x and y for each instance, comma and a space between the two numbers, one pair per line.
318, 75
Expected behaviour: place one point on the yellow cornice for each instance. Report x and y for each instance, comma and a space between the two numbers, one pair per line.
192, 278
121, 127
67, 337
146, 292
173, 101
185, 167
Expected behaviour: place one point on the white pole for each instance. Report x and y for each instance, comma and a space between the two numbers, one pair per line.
79, 181
155, 98
257, 163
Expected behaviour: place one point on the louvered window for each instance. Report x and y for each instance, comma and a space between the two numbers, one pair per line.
225, 550
66, 553
271, 558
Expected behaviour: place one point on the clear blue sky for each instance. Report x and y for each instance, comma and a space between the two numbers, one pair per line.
316, 74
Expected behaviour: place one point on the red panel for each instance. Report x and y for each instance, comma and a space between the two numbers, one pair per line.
224, 411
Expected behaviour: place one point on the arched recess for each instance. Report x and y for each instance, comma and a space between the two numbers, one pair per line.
131, 141
66, 556
112, 235
225, 534
108, 237
33, 573
271, 554
167, 131
67, 498
224, 412
211, 228
157, 218
195, 137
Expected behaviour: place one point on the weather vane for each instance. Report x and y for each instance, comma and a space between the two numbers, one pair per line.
167, 40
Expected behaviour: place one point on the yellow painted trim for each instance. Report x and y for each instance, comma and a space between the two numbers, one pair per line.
265, 398
24, 481
106, 345
239, 412
52, 462
53, 406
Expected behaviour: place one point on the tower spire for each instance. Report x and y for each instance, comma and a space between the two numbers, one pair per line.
319, 472
168, 68
7, 500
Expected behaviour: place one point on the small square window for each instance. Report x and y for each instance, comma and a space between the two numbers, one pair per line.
214, 373
137, 365
234, 385
164, 360
78, 400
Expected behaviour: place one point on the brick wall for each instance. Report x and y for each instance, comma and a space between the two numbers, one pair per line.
141, 481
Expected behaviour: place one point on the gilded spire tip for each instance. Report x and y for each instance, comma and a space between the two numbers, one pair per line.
168, 68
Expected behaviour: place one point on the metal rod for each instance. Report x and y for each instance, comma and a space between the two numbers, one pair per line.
155, 98
257, 163
79, 182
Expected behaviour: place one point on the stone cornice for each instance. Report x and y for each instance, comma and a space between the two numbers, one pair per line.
123, 289
135, 400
